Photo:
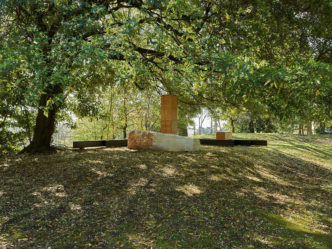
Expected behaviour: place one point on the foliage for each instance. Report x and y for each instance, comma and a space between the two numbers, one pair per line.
16, 119
268, 55
123, 107
120, 108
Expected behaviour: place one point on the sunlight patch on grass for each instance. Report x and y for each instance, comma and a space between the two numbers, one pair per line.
75, 207
253, 178
286, 199
45, 195
4, 243
326, 186
302, 232
267, 174
42, 201
61, 194
188, 159
135, 185
95, 162
189, 190
54, 188
3, 219
261, 193
101, 174
216, 178
142, 166
139, 241
168, 171
220, 177
4, 166
118, 149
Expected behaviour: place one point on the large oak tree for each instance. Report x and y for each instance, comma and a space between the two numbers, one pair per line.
235, 51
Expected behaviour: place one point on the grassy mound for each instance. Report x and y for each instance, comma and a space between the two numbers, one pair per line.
279, 196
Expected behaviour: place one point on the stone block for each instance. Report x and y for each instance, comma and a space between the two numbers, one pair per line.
224, 135
159, 141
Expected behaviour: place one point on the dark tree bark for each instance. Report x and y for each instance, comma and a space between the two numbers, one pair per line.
124, 130
309, 128
232, 125
251, 126
45, 125
44, 129
301, 131
211, 126
321, 128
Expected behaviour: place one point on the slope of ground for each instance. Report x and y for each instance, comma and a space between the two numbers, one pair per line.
279, 196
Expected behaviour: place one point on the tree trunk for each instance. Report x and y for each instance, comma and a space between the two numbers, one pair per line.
321, 128
309, 128
45, 125
301, 129
199, 126
219, 126
251, 126
110, 112
147, 117
211, 125
125, 112
44, 129
124, 132
232, 125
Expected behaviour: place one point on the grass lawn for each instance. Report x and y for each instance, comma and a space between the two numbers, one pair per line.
279, 196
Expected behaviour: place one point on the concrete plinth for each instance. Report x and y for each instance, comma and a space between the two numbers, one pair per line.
160, 141
223, 135
169, 114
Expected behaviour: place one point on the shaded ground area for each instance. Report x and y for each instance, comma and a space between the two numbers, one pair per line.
278, 196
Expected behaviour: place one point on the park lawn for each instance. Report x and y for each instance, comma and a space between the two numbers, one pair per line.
279, 196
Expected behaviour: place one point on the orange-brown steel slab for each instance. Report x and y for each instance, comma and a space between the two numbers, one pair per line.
169, 114
223, 135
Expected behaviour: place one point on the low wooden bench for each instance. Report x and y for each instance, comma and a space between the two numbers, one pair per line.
251, 142
99, 143
207, 141
236, 142
203, 141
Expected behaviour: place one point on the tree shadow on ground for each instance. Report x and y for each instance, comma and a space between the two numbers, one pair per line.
217, 198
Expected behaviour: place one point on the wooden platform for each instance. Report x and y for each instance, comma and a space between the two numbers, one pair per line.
99, 143
251, 142
206, 141
203, 141
116, 143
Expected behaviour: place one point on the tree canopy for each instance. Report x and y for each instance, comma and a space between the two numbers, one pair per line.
271, 56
